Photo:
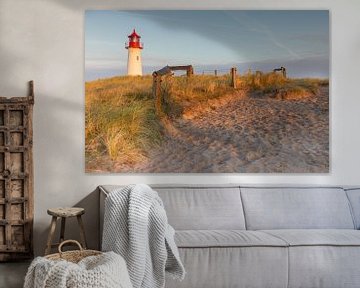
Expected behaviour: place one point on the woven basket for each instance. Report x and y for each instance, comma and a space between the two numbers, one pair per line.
72, 256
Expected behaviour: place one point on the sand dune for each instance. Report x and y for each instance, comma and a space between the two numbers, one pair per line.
245, 134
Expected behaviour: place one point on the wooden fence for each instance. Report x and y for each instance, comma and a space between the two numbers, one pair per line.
169, 71
157, 78
282, 70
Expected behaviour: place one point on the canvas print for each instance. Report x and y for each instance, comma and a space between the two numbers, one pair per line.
207, 91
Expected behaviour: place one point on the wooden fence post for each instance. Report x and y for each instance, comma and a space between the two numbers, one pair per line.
157, 78
189, 71
157, 93
233, 76
282, 70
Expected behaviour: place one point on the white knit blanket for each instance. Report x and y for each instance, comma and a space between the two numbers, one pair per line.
103, 271
136, 227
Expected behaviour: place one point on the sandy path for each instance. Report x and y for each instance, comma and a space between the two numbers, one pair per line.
249, 135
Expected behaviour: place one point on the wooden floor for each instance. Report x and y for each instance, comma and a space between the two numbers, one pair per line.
12, 274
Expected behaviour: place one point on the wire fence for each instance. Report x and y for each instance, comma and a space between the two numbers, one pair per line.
215, 71
224, 71
170, 70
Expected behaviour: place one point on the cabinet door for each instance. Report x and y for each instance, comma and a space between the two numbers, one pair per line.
16, 212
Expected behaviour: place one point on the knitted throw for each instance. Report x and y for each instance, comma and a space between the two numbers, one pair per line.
102, 271
136, 227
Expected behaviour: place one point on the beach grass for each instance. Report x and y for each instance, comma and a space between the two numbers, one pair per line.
120, 119
276, 86
121, 123
183, 92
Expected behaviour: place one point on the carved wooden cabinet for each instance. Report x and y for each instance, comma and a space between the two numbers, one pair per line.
16, 177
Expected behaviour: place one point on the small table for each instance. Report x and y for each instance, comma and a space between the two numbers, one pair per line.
63, 213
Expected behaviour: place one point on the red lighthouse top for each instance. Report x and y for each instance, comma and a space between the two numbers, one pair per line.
134, 41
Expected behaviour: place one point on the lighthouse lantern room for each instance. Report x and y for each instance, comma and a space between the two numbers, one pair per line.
134, 46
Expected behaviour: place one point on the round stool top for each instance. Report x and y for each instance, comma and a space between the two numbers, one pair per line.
66, 211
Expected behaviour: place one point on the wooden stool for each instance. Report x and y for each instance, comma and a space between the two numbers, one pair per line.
64, 213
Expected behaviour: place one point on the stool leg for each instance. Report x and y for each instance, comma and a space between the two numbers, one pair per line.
51, 235
62, 230
82, 232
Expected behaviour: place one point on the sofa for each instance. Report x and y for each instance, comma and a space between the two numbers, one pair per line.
263, 237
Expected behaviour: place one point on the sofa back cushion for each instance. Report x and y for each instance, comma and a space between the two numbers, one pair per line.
203, 208
296, 208
354, 198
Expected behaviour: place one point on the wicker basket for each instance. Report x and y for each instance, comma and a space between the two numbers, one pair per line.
72, 256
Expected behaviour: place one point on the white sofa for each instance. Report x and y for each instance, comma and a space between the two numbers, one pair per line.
264, 237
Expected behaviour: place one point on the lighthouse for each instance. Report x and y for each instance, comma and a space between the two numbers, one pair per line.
134, 46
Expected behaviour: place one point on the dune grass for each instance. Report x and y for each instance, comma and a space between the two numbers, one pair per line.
121, 122
182, 92
276, 86
120, 119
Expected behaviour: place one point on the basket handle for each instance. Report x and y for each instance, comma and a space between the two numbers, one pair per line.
69, 241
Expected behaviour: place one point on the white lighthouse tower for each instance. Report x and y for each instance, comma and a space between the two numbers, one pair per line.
134, 46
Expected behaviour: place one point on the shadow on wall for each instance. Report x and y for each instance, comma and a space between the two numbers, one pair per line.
61, 166
15, 46
91, 217
8, 73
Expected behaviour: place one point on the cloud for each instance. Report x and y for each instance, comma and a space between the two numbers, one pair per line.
256, 26
255, 45
222, 27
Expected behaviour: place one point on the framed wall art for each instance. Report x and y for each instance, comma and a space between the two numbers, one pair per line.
237, 91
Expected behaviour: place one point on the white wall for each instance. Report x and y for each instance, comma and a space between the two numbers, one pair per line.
43, 40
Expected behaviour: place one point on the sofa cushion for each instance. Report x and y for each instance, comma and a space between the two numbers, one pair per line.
324, 266
315, 237
327, 258
296, 208
192, 208
220, 267
226, 238
354, 198
199, 207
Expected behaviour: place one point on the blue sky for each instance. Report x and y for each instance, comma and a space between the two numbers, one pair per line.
255, 39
